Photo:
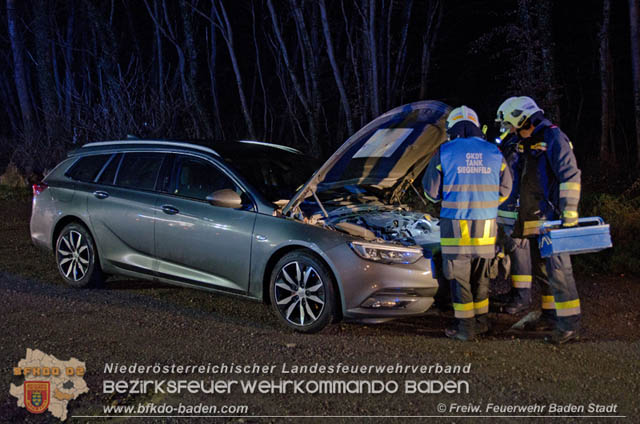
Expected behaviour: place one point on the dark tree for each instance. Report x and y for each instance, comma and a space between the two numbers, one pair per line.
19, 74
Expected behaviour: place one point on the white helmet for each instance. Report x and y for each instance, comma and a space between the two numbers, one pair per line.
514, 111
462, 113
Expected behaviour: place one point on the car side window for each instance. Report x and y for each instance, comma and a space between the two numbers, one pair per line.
196, 178
109, 172
139, 170
86, 169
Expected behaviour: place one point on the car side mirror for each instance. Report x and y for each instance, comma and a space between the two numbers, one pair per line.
225, 198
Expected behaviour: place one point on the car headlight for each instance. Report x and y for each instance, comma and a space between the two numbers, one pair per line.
386, 253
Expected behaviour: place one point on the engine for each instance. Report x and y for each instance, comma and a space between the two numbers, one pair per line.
407, 228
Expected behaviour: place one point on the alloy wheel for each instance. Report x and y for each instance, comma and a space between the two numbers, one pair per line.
299, 293
74, 255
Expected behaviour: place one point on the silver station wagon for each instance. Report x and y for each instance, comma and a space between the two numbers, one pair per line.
253, 219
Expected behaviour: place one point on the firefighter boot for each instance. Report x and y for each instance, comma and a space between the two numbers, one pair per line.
546, 322
521, 300
463, 329
482, 324
514, 308
559, 337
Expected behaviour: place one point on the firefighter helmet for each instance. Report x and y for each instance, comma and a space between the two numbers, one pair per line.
515, 111
460, 114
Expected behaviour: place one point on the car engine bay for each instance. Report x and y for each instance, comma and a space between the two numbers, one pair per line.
396, 226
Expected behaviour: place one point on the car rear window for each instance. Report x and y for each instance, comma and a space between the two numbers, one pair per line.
139, 170
87, 168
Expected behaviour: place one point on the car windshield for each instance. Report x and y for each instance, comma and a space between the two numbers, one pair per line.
277, 176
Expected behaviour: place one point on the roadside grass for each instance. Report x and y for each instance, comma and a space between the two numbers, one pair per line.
622, 213
17, 254
19, 194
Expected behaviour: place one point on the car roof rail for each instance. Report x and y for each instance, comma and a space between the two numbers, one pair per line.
151, 143
277, 146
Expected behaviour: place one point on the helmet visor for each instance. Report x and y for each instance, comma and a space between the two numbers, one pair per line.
506, 126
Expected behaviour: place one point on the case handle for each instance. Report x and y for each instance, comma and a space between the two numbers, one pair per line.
595, 219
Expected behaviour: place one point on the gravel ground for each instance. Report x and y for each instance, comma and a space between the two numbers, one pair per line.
132, 321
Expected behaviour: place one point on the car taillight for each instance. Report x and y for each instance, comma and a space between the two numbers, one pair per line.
39, 188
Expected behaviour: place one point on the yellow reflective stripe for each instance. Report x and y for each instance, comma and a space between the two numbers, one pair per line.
570, 191
523, 278
463, 306
482, 241
439, 167
466, 240
568, 308
548, 302
463, 310
508, 214
481, 307
569, 214
569, 304
503, 166
431, 199
570, 186
533, 224
464, 230
532, 227
521, 281
481, 304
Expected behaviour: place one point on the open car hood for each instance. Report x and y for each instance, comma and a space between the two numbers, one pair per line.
387, 154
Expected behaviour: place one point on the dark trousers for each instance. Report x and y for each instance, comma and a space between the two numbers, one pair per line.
469, 279
559, 294
521, 276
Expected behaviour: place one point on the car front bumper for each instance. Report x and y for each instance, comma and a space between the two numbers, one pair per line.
375, 291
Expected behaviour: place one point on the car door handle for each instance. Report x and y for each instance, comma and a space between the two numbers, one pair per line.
169, 210
101, 194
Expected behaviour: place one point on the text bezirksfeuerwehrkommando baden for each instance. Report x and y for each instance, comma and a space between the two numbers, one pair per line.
284, 368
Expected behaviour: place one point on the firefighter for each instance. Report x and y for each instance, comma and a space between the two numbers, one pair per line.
471, 178
519, 298
549, 190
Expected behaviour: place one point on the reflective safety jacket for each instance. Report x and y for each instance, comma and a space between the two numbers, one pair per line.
471, 178
550, 180
508, 211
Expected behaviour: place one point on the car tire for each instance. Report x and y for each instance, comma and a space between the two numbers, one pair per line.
302, 292
77, 257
